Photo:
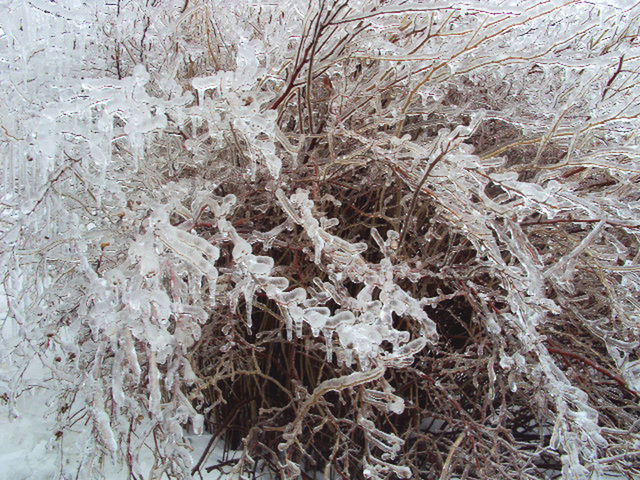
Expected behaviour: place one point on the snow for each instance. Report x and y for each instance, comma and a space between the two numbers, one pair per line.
30, 450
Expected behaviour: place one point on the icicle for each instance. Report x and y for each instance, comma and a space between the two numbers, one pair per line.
317, 318
328, 340
154, 385
117, 378
102, 425
249, 291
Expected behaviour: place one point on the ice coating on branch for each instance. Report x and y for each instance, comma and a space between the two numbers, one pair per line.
344, 318
194, 251
403, 356
202, 84
130, 354
144, 251
388, 443
360, 336
317, 318
260, 265
101, 421
295, 296
385, 400
333, 384
154, 385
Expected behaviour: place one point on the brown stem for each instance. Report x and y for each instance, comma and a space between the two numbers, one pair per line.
414, 200
613, 77
221, 428
619, 381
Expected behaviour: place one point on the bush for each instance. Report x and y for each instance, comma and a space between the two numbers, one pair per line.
364, 239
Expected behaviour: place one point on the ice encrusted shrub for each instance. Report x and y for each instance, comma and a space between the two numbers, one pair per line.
372, 239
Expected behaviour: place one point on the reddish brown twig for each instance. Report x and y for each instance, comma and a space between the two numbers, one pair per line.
619, 381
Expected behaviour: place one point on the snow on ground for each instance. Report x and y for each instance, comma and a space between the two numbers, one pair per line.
29, 449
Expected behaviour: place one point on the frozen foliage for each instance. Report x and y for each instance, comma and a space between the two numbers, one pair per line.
330, 223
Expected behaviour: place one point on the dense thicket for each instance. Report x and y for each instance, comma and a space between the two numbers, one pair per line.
354, 239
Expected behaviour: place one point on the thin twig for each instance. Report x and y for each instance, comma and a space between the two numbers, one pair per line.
446, 473
619, 381
613, 77
414, 200
220, 430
